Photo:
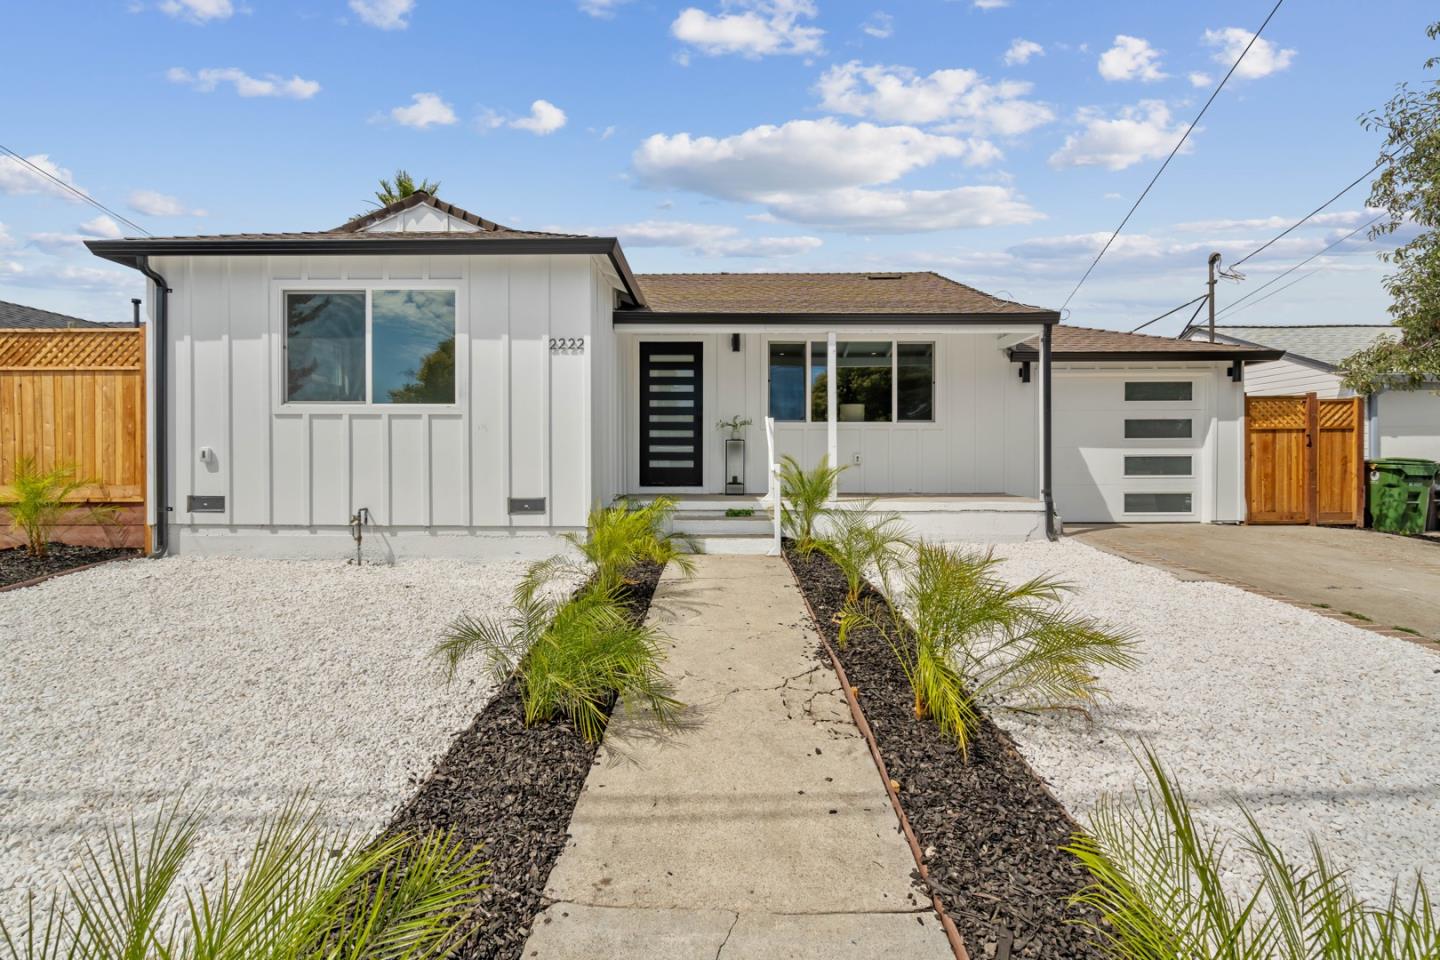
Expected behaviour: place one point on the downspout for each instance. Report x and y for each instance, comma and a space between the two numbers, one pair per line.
160, 377
1045, 442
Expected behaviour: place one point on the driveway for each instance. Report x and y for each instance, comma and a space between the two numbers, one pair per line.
1389, 580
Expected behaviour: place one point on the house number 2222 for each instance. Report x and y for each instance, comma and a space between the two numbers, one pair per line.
566, 344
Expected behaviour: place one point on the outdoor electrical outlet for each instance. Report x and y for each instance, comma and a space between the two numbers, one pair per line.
857, 459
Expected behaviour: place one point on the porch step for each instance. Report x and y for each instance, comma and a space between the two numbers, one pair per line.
715, 523
749, 544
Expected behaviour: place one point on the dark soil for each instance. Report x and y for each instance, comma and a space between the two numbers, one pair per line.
512, 789
990, 829
16, 566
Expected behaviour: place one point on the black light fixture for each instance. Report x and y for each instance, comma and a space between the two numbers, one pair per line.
734, 343
1024, 371
1237, 371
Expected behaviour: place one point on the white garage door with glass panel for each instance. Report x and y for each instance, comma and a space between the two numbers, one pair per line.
1129, 448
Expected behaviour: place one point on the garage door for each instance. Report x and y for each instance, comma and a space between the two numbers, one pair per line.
1129, 447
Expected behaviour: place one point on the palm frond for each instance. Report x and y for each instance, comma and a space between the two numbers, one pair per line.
862, 540
805, 497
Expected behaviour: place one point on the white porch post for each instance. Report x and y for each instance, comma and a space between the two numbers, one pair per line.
832, 433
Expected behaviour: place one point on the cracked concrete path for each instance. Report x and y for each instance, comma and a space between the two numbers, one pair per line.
758, 830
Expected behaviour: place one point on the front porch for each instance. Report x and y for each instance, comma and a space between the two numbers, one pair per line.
948, 518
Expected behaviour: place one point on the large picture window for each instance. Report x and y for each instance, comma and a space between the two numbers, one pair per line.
404, 338
876, 381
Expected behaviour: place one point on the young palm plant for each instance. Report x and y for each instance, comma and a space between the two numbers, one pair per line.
572, 657
862, 542
616, 540
805, 497
964, 638
1157, 886
38, 504
304, 894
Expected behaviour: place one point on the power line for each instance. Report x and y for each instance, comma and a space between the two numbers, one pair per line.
1353, 183
1169, 312
1305, 276
1178, 145
73, 189
1282, 275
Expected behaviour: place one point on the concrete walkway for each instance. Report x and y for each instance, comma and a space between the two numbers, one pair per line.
759, 830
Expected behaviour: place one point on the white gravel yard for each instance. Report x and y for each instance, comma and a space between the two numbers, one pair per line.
1319, 726
239, 681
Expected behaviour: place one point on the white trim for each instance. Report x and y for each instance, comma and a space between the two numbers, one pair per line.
832, 402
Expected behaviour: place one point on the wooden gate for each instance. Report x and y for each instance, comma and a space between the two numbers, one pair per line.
1305, 460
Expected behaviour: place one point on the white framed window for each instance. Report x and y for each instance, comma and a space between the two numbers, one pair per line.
1176, 503
1159, 428
1152, 391
1159, 465
877, 381
388, 344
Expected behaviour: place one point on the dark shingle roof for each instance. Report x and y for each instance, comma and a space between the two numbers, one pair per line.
15, 316
822, 294
1087, 343
1326, 343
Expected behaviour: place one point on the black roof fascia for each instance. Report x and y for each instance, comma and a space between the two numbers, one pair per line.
1246, 356
955, 319
128, 252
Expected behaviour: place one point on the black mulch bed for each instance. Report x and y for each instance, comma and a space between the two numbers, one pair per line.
16, 566
513, 789
994, 830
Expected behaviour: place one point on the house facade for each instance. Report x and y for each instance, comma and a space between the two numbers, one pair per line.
1399, 423
468, 388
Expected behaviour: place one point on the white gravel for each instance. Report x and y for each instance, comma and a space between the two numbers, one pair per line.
239, 681
1320, 727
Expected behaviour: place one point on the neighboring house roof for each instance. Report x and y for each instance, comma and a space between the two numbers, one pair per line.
1324, 344
1086, 343
359, 235
721, 296
18, 316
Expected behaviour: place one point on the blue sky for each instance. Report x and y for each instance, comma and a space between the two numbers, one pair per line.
996, 141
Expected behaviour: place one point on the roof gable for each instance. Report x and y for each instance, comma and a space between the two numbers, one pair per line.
1086, 343
419, 213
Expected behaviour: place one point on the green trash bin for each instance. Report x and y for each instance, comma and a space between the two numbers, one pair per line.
1400, 491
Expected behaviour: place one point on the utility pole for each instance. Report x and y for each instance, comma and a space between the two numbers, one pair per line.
1214, 262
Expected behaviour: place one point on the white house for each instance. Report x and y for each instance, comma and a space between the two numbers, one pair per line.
1400, 423
473, 388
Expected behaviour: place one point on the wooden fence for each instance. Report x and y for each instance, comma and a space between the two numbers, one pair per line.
76, 396
1305, 460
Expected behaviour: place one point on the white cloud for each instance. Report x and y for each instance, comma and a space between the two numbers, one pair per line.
1131, 58
1021, 51
601, 9
199, 11
545, 118
1345, 218
101, 227
963, 99
271, 85
16, 179
710, 239
152, 203
69, 277
801, 155
861, 210
426, 110
1263, 59
384, 14
751, 28
880, 25
990, 4
1141, 132
1198, 79
5, 239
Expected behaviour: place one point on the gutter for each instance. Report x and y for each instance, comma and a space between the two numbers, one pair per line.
1045, 433
160, 377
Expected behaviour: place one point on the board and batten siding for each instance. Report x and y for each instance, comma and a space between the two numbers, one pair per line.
521, 425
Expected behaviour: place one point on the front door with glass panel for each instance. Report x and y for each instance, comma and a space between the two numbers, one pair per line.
670, 415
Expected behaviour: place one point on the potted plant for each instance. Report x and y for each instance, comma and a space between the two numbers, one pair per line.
734, 429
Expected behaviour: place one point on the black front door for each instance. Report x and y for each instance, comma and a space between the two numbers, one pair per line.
670, 415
